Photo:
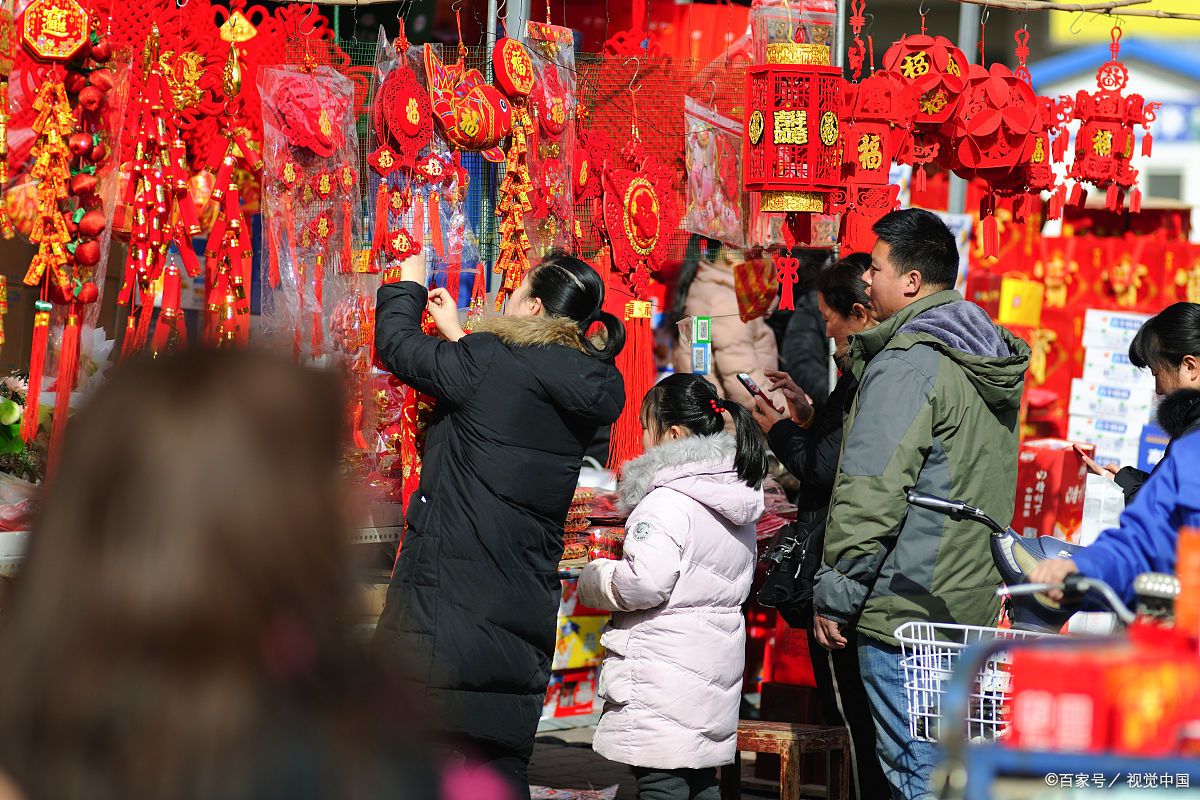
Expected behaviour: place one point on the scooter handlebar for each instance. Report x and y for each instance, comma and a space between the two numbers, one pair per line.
951, 508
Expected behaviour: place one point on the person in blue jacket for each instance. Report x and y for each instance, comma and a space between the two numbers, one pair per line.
1169, 499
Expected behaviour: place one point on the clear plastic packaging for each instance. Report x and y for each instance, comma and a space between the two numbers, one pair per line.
552, 223
712, 154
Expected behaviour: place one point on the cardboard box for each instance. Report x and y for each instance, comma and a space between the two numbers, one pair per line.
578, 643
1051, 478
571, 693
1114, 367
1111, 330
1111, 401
1152, 446
1110, 436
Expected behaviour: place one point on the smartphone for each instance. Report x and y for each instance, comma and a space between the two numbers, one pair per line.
753, 389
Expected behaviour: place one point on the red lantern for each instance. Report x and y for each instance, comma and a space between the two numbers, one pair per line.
792, 140
935, 70
878, 114
1104, 142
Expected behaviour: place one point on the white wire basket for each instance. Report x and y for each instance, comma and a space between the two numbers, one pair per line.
929, 652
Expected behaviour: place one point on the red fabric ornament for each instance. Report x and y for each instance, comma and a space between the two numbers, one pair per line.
1104, 141
384, 161
403, 114
54, 30
513, 68
401, 244
787, 268
473, 114
310, 114
550, 97
433, 170
935, 70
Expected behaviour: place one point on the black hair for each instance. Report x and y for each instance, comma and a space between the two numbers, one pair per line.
570, 288
841, 284
698, 248
1167, 337
812, 262
686, 400
920, 240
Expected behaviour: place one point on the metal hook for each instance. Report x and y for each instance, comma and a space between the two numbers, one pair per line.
922, 10
871, 22
987, 14
181, 4
713, 96
636, 71
1074, 22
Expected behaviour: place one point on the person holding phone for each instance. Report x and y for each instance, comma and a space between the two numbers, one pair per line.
1169, 346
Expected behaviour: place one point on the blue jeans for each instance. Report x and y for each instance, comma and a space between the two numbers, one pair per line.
906, 762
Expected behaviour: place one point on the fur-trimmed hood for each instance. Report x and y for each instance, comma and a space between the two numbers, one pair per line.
1179, 412
700, 467
541, 331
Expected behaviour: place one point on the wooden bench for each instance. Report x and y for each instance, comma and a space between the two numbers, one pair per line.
790, 741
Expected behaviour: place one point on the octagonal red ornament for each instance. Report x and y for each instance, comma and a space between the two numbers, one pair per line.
54, 30
513, 67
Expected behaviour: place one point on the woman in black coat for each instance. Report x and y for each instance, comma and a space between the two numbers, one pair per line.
808, 444
471, 610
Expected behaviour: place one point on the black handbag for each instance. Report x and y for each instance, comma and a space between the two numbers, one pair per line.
795, 557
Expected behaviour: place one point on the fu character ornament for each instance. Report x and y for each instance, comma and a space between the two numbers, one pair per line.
1104, 142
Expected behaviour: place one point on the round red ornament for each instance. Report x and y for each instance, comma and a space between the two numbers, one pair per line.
513, 67
404, 115
936, 71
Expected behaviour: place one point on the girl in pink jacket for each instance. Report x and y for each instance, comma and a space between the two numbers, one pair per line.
672, 680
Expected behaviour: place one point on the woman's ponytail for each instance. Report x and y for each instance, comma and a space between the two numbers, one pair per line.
608, 347
751, 459
570, 289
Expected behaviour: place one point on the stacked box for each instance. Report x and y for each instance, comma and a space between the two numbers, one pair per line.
1113, 400
1051, 478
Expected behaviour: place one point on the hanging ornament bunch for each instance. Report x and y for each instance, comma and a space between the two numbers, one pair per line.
877, 114
7, 43
552, 101
1105, 139
156, 214
935, 70
70, 229
514, 74
228, 256
311, 183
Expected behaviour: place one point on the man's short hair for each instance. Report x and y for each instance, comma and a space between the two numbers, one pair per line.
920, 240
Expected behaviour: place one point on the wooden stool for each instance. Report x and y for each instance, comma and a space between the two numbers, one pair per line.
790, 740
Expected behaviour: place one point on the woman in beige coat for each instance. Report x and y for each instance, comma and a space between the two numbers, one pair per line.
736, 346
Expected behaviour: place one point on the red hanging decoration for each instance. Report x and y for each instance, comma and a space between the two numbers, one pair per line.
514, 72
787, 268
1104, 141
473, 114
793, 130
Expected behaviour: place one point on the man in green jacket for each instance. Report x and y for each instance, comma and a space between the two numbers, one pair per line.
937, 411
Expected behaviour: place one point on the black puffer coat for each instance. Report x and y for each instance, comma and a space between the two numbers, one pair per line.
472, 603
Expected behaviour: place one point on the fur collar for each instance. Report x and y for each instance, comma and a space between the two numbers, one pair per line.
1179, 412
532, 331
637, 477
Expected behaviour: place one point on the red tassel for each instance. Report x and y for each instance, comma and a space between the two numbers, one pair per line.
1113, 200
636, 364
991, 237
347, 265
418, 220
143, 323
37, 365
919, 179
1135, 201
319, 282
318, 338
130, 332
1054, 207
168, 317
435, 224
1059, 149
273, 257
68, 371
1147, 144
1078, 197
381, 221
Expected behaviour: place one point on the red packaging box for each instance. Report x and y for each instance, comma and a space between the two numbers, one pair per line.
1058, 701
1051, 478
788, 658
571, 693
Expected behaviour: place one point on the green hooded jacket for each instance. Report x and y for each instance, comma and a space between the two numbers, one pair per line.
937, 410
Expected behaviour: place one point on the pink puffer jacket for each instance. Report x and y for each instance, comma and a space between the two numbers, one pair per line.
671, 682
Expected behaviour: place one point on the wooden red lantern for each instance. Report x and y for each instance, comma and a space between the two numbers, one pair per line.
1104, 142
791, 144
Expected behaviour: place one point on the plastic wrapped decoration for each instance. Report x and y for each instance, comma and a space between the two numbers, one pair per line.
552, 223
712, 154
801, 21
311, 187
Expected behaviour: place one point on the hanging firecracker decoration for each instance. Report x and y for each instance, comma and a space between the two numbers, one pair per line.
228, 256
935, 70
793, 130
514, 73
1105, 139
156, 213
7, 44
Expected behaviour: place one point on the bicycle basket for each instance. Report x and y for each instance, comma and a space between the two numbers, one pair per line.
929, 653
